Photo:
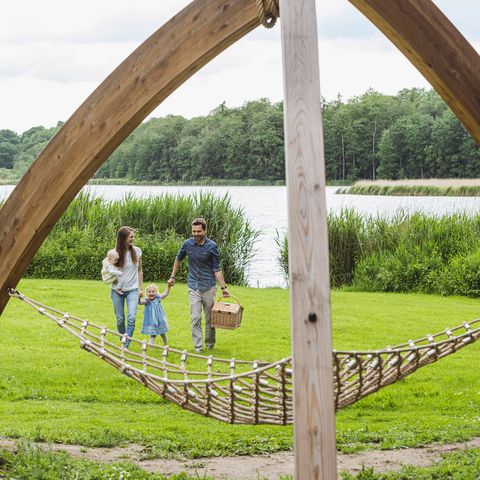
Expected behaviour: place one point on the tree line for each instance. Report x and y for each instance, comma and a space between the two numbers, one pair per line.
409, 135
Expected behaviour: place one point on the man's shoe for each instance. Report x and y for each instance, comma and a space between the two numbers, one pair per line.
198, 350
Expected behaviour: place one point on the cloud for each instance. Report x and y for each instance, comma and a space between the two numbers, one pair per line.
89, 21
31, 102
54, 53
344, 21
350, 67
62, 62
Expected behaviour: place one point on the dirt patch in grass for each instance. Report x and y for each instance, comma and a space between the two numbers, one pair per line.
261, 466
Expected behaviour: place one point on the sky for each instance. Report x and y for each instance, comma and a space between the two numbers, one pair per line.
54, 53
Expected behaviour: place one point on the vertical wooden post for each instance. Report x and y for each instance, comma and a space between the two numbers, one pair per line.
314, 414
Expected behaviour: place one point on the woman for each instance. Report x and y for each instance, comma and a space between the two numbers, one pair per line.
130, 262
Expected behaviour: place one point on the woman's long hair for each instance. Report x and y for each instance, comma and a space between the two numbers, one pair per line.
121, 246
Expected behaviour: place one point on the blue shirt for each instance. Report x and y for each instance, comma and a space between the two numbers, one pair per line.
203, 261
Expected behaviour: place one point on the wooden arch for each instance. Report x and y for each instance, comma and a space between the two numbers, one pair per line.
168, 58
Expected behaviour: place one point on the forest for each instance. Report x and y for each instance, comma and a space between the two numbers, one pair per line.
409, 135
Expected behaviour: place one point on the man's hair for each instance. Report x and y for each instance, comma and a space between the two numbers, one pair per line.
200, 221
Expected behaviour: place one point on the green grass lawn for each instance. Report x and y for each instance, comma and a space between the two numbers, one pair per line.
464, 465
51, 390
29, 462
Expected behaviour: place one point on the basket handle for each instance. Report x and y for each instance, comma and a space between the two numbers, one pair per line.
229, 296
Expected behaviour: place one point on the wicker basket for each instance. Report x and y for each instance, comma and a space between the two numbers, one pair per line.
226, 315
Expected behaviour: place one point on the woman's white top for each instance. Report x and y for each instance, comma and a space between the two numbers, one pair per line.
130, 271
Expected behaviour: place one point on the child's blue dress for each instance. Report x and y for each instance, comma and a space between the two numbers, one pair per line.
154, 318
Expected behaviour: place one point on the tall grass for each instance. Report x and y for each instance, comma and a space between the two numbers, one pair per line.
407, 253
282, 258
206, 181
87, 229
415, 190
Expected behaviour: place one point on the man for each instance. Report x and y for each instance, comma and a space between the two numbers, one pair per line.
203, 270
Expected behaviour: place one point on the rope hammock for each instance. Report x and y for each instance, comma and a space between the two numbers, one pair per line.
251, 392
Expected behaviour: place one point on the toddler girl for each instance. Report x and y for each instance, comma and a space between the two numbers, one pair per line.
154, 318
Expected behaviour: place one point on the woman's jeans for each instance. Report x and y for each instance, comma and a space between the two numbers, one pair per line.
131, 299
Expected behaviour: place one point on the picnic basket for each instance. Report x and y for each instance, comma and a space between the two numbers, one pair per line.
226, 315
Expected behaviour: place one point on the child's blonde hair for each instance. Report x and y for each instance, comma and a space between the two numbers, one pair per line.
152, 285
112, 256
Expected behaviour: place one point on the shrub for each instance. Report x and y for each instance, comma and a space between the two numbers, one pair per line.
461, 276
405, 270
407, 253
87, 230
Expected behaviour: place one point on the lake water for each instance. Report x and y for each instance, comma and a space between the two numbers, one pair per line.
266, 208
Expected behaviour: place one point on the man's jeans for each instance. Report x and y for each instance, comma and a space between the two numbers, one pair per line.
131, 299
197, 301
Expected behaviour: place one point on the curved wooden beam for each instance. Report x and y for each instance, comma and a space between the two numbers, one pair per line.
163, 62
154, 70
436, 48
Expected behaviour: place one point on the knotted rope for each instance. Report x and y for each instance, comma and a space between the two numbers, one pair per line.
268, 12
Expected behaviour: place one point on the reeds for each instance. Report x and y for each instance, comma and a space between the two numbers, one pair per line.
414, 190
407, 253
87, 229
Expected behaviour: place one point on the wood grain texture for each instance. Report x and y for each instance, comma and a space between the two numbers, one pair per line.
436, 48
161, 64
314, 414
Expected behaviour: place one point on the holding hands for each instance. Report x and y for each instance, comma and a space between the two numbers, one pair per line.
225, 291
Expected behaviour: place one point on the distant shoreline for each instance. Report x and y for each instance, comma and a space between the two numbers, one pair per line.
206, 183
461, 187
209, 183
434, 182
454, 187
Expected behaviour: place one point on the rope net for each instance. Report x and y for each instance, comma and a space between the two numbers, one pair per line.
251, 392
